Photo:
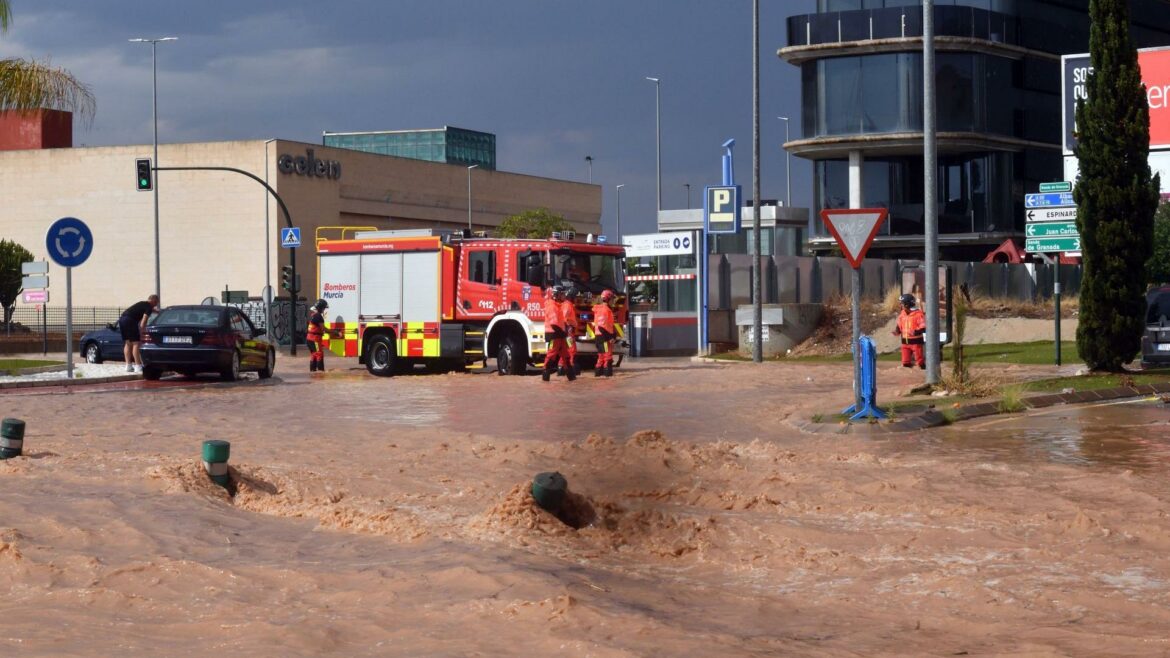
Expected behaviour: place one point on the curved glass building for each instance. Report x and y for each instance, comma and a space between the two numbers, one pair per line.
997, 83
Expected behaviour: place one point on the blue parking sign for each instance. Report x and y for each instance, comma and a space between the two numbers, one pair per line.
722, 208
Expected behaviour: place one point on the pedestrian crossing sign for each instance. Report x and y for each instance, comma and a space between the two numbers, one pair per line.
290, 237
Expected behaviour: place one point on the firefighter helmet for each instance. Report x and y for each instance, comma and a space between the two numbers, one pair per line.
321, 305
607, 295
572, 292
907, 300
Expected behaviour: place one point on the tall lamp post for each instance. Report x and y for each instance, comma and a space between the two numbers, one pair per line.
469, 195
589, 161
787, 164
619, 212
154, 64
658, 136
688, 186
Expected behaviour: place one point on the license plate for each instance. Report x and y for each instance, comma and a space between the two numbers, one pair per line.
186, 340
1164, 347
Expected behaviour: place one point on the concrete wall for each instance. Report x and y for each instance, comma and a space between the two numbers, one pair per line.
212, 224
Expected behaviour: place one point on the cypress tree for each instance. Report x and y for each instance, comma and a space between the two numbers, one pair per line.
1115, 193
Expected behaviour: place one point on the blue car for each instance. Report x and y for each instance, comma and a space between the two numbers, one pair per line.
101, 345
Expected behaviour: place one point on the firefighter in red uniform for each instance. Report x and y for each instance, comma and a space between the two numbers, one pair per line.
572, 327
604, 330
912, 328
314, 335
554, 335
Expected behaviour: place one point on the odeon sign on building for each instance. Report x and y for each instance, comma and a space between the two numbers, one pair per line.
308, 165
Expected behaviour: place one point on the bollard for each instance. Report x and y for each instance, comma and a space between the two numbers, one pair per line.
215, 458
11, 438
548, 490
869, 408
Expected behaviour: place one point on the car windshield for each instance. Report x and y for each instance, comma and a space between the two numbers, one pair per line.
1159, 308
197, 317
588, 272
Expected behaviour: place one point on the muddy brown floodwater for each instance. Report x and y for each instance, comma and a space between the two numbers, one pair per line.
392, 517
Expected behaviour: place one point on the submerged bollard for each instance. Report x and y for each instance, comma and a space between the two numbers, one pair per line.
215, 458
548, 490
11, 438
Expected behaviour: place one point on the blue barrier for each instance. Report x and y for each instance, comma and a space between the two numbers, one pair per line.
869, 408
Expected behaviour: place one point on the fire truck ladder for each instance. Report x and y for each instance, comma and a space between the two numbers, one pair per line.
474, 345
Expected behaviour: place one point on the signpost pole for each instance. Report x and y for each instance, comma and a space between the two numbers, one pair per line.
69, 323
1056, 302
700, 282
45, 328
857, 338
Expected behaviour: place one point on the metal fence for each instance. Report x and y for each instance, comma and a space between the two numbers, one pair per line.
32, 320
814, 279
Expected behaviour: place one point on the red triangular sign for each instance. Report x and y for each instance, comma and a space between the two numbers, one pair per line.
854, 230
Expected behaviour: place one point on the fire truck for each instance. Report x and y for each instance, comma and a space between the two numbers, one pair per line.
449, 300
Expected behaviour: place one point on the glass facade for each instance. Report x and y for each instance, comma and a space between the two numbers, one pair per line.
449, 145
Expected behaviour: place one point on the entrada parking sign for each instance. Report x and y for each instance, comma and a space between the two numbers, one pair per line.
721, 209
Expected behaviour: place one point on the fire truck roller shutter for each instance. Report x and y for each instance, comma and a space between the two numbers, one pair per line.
421, 288
340, 279
381, 285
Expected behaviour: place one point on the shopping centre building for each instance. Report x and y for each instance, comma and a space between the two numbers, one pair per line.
219, 229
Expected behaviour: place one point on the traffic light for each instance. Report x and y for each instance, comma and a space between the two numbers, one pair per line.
145, 178
286, 278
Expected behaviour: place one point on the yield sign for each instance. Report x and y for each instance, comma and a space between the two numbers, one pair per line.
854, 230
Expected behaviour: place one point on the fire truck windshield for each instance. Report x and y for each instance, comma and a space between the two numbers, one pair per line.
589, 272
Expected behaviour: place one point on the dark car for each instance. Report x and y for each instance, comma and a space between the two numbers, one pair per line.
105, 343
194, 339
1156, 339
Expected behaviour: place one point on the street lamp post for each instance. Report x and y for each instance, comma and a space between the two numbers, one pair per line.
469, 195
267, 248
589, 161
154, 64
787, 164
658, 135
619, 212
688, 186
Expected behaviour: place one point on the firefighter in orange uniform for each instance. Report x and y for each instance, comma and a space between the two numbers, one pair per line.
572, 327
604, 330
554, 335
912, 329
315, 336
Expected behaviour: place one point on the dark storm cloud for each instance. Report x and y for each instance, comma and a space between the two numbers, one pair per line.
556, 81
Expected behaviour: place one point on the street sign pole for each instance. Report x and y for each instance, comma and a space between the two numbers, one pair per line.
1056, 302
69, 323
856, 281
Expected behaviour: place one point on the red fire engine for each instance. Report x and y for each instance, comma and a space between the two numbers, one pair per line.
440, 298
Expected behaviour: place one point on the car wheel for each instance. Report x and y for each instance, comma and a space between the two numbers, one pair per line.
269, 365
508, 361
233, 371
93, 353
151, 373
381, 356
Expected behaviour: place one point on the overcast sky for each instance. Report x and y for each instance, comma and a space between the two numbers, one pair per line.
553, 80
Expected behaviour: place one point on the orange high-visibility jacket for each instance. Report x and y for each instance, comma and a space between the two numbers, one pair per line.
912, 326
552, 315
603, 318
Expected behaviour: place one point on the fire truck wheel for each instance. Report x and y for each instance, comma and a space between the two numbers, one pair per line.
381, 357
508, 360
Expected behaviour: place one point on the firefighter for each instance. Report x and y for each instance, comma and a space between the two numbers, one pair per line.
315, 334
604, 330
912, 329
572, 328
554, 335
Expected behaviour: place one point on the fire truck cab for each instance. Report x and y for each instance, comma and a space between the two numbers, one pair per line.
451, 301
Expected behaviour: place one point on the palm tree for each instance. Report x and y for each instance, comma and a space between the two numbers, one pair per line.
29, 85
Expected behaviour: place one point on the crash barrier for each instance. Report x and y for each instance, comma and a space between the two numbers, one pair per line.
869, 408
11, 438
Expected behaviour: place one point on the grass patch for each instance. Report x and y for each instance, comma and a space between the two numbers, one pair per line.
1039, 353
10, 366
1093, 382
1012, 400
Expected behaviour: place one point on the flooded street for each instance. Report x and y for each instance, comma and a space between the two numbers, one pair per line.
392, 517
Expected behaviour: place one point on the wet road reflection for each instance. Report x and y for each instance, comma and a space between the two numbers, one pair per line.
1132, 434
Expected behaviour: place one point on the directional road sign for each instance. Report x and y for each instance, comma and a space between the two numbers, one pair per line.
69, 242
854, 229
34, 267
1059, 186
1047, 199
290, 237
1051, 214
1051, 230
35, 296
35, 282
1051, 245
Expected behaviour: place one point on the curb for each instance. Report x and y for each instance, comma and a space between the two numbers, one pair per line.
935, 418
4, 386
